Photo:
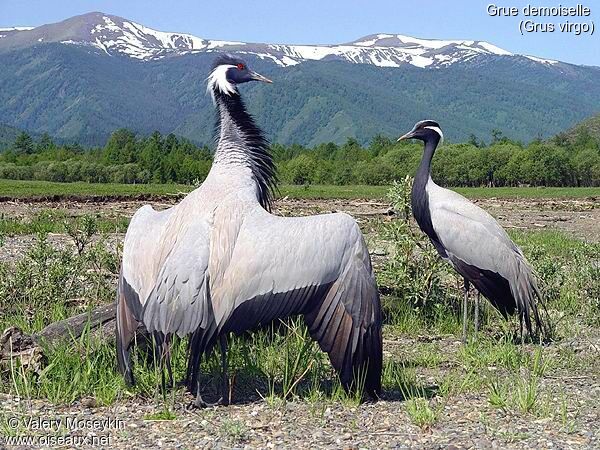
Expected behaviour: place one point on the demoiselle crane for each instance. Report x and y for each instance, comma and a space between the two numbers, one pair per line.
473, 242
220, 262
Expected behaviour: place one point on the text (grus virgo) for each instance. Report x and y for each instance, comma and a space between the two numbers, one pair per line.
530, 23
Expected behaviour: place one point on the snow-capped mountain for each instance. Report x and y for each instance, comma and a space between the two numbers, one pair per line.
84, 77
117, 36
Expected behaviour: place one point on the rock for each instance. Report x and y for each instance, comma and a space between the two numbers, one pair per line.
89, 402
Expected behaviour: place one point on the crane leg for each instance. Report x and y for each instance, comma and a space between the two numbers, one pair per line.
162, 351
521, 328
224, 388
225, 377
169, 368
477, 313
465, 306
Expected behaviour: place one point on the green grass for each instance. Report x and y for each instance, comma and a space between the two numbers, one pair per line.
161, 415
27, 189
421, 413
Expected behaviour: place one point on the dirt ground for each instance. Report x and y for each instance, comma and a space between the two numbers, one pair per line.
467, 420
580, 217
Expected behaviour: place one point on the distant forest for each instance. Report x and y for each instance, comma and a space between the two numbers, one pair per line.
565, 160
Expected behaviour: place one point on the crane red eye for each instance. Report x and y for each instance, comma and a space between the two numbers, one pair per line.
240, 66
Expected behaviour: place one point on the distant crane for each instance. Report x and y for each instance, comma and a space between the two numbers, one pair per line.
473, 242
220, 262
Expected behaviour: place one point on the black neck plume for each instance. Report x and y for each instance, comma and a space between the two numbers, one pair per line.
256, 146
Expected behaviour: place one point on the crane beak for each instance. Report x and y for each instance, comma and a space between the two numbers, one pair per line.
258, 77
406, 136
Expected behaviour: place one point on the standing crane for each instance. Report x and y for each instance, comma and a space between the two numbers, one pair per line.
473, 242
220, 262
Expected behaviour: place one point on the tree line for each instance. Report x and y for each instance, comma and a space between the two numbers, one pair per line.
565, 160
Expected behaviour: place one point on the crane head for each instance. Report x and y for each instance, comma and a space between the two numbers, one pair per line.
424, 131
229, 71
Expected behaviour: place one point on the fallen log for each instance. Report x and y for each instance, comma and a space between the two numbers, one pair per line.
74, 327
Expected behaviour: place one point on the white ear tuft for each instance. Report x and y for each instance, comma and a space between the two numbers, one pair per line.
218, 80
438, 131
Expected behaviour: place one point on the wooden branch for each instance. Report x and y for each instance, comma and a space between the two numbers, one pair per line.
74, 327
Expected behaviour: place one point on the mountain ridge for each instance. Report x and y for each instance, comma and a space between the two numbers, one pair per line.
83, 92
115, 35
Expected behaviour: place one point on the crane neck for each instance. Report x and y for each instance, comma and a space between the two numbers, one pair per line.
423, 174
241, 143
419, 196
232, 120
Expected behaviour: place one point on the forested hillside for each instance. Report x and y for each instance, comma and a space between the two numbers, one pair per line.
581, 133
7, 135
79, 94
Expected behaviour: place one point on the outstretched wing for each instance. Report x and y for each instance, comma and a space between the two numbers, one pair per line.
178, 301
316, 266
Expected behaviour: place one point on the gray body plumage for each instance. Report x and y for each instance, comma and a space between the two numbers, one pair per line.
219, 262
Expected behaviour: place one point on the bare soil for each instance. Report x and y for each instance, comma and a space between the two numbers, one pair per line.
580, 217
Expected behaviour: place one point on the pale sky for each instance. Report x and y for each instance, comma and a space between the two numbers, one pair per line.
330, 21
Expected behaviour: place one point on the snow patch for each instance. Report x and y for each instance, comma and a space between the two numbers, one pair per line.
493, 49
287, 61
17, 29
218, 44
542, 60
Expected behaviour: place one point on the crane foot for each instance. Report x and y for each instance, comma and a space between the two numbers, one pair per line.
199, 403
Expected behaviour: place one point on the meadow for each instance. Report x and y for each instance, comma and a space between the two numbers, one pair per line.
24, 189
56, 263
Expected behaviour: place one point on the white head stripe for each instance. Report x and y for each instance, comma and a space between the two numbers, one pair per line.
438, 131
218, 79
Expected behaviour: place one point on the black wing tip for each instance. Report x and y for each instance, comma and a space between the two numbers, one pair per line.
123, 362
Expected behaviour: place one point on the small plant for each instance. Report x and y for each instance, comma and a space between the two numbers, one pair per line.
234, 431
519, 393
81, 231
498, 396
164, 414
414, 269
539, 364
421, 413
488, 352
526, 394
567, 423
415, 277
